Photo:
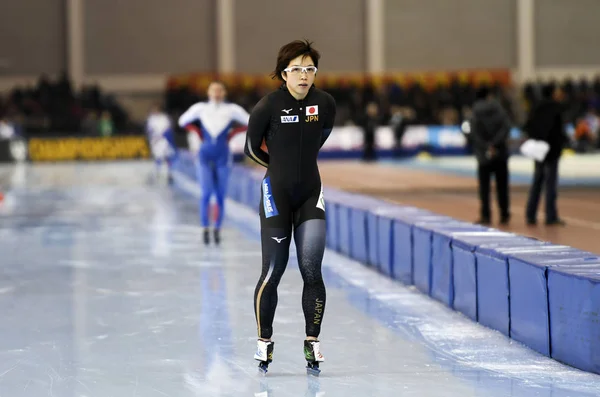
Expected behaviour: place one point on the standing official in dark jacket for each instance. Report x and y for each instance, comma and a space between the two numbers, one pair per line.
490, 128
545, 123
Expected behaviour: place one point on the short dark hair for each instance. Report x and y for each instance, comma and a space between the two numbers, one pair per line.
293, 50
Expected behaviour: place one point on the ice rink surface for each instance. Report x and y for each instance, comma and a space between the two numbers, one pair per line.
106, 290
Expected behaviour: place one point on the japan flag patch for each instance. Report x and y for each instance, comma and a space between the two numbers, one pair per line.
312, 110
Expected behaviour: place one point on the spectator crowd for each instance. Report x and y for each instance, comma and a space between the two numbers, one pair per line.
53, 107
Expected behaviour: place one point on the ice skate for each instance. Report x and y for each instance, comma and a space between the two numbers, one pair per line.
264, 355
313, 356
206, 236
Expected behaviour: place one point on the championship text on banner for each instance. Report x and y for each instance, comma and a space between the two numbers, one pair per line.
108, 148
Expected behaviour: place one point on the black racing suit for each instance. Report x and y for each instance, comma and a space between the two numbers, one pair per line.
293, 132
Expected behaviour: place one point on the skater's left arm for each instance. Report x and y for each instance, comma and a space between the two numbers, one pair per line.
329, 119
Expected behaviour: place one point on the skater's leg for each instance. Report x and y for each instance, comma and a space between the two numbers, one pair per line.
170, 161
157, 167
276, 226
275, 254
171, 152
205, 177
221, 192
310, 247
221, 183
170, 137
309, 235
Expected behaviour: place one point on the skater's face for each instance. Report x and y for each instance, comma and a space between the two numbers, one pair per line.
216, 92
299, 76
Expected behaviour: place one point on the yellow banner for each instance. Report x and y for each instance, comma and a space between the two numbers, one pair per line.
109, 148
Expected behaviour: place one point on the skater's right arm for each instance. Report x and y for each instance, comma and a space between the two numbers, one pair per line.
190, 115
187, 119
257, 128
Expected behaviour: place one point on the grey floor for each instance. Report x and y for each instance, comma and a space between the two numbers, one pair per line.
106, 290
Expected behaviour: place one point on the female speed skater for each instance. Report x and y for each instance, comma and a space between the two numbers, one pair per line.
294, 122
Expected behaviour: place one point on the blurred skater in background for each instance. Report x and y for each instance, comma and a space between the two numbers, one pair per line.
215, 122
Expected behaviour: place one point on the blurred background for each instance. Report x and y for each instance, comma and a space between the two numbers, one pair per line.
90, 68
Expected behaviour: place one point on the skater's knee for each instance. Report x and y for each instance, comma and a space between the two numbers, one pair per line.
270, 278
271, 281
266, 333
220, 196
312, 278
205, 197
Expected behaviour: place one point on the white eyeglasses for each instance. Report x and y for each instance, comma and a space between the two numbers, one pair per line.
301, 69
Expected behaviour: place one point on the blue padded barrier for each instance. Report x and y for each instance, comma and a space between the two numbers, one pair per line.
235, 190
387, 245
233, 187
334, 209
529, 315
402, 252
403, 240
442, 263
254, 193
359, 213
373, 238
465, 267
246, 190
493, 309
254, 188
344, 229
240, 179
423, 250
343, 215
354, 228
332, 225
359, 239
364, 227
574, 303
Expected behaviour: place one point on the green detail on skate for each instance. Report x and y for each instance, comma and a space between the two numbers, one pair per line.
308, 354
